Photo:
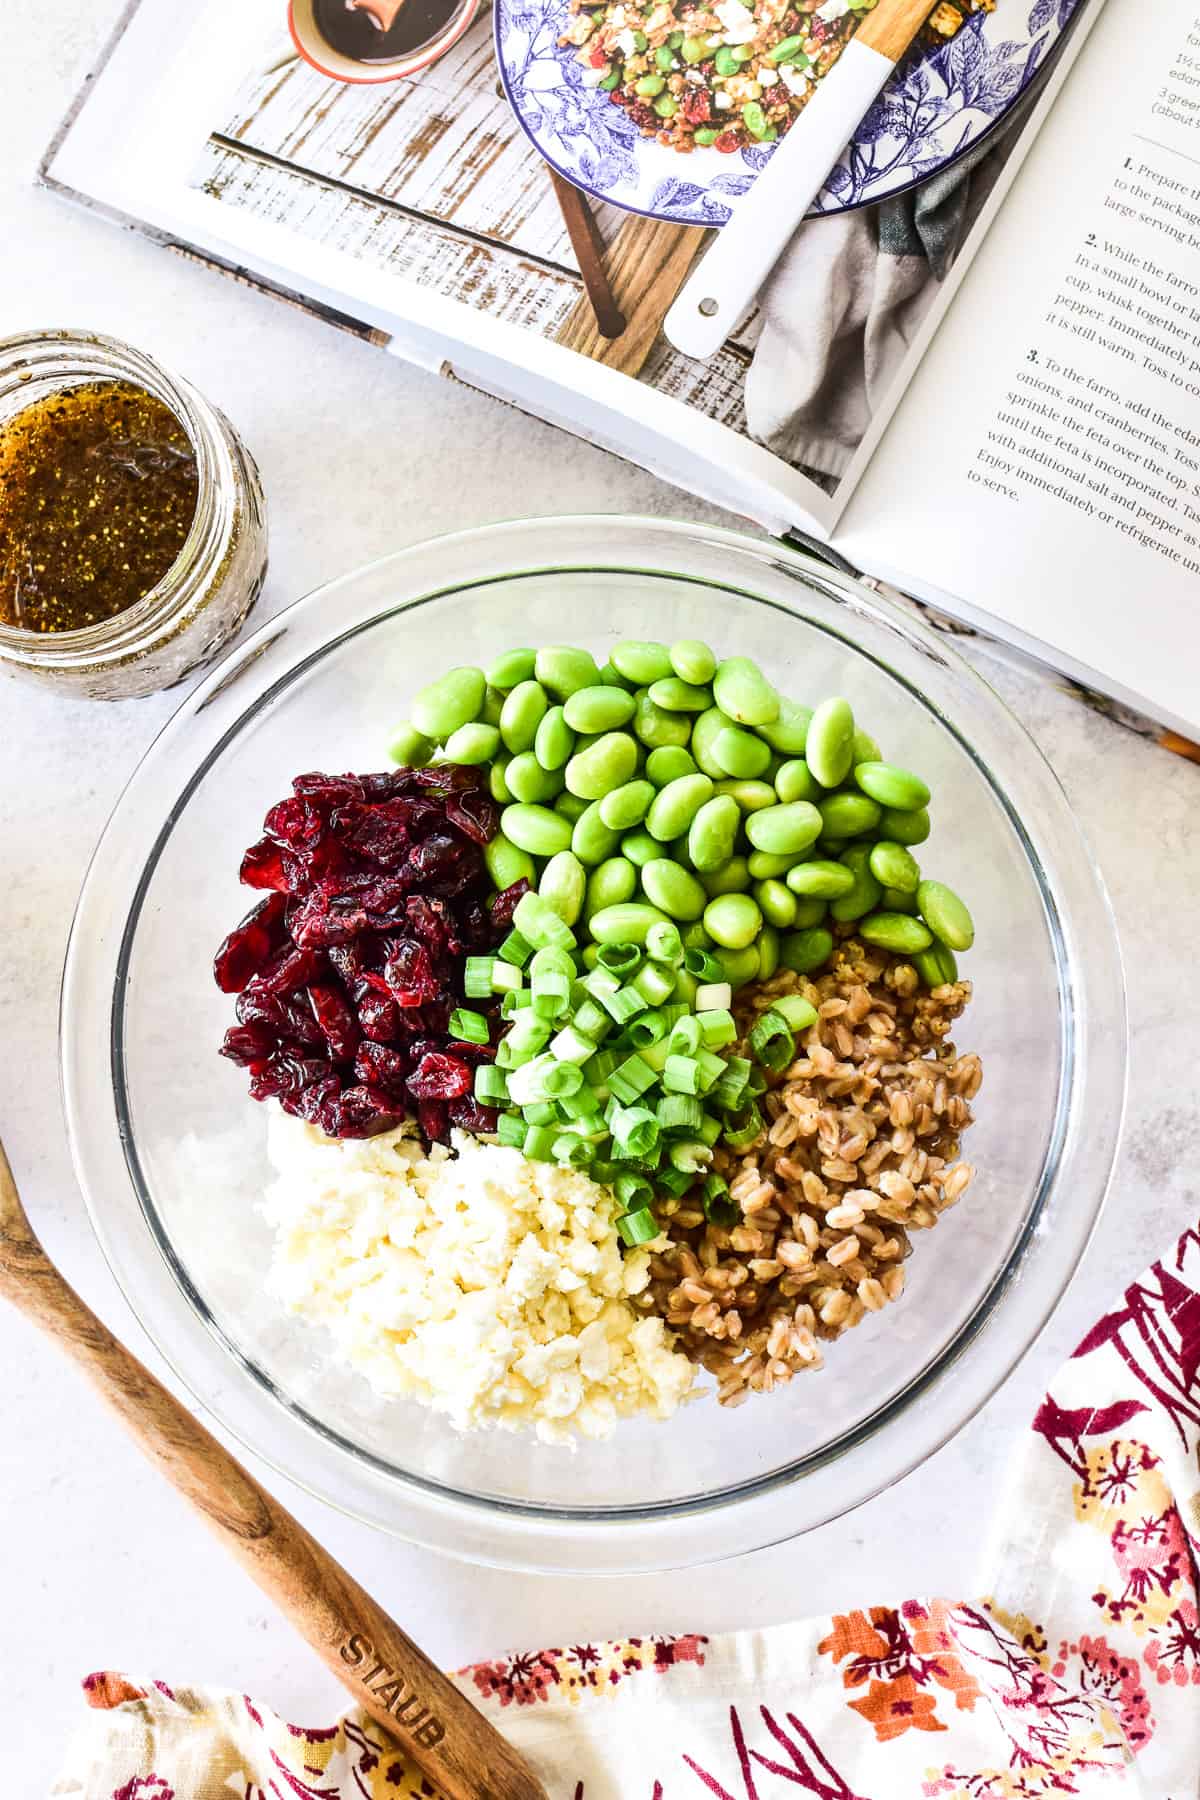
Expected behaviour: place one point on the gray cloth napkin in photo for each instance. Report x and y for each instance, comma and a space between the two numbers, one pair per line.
846, 301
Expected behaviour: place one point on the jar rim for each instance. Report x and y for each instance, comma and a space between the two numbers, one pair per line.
97, 355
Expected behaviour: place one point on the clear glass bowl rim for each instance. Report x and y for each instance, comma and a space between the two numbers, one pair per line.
508, 1534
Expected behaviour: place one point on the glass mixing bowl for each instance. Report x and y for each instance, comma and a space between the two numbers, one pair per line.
170, 1151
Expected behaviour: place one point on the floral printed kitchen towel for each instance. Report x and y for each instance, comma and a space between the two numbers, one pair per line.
1080, 1676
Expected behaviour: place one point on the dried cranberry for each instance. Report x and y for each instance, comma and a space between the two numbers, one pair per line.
378, 1018
439, 1077
285, 1074
294, 823
434, 1120
338, 1025
727, 143
250, 945
262, 867
505, 903
380, 1067
328, 790
248, 1044
440, 865
431, 922
469, 1115
410, 975
363, 1112
475, 813
697, 108
291, 969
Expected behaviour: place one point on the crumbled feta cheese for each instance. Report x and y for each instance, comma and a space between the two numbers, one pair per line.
722, 101
488, 1287
767, 77
593, 77
626, 42
794, 80
833, 10
738, 26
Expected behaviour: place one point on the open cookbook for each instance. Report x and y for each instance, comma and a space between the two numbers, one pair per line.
1032, 466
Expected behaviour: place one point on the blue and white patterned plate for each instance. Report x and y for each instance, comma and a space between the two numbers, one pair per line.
937, 106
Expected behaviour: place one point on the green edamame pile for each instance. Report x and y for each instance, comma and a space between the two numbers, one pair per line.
669, 784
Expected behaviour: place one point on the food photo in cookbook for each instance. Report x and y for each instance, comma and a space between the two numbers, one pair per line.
632, 984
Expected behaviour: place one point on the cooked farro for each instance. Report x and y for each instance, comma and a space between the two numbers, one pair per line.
859, 1146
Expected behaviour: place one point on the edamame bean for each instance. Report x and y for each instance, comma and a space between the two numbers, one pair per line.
610, 882
505, 863
554, 743
685, 990
810, 911
521, 714
751, 796
848, 815
693, 662
743, 693
564, 670
936, 966
696, 938
592, 840
606, 764
713, 831
807, 950
896, 900
562, 886
409, 747
570, 806
452, 700
733, 921
536, 829
824, 880
526, 779
781, 830
668, 764
595, 709
777, 905
904, 827
733, 877
657, 728
627, 806
498, 786
472, 744
493, 706
768, 947
789, 732
765, 867
865, 747
671, 887
895, 867
896, 932
829, 750
865, 895
741, 754
678, 696
891, 786
610, 677
675, 806
946, 915
640, 662
738, 966
704, 736
640, 847
627, 923
510, 668
794, 781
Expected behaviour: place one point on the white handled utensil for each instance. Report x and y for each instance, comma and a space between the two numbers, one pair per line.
745, 251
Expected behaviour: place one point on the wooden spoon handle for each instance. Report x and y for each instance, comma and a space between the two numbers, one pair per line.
450, 1741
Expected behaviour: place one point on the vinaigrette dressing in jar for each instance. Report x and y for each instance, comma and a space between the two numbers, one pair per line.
132, 526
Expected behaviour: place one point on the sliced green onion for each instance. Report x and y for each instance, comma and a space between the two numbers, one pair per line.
551, 994
771, 1041
512, 1002
673, 1181
634, 1192
572, 1046
663, 942
638, 1227
624, 1004
717, 996
469, 1027
702, 965
680, 1112
647, 1029
719, 1209
712, 1069
540, 1112
592, 1020
681, 1075
756, 1083
538, 922
655, 981
716, 1028
620, 959
710, 1128
601, 1067
730, 1091
655, 1055
743, 1128
477, 977
539, 1143
630, 1080
491, 1085
690, 1155
686, 1036
798, 1012
543, 1079
527, 1034
574, 1150
505, 978
599, 982
516, 949
635, 1133
510, 1129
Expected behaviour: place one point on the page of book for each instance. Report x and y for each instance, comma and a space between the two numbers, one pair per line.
1043, 470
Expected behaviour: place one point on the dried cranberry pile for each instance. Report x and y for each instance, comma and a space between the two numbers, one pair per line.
347, 972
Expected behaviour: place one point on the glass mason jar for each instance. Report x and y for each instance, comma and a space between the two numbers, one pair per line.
207, 592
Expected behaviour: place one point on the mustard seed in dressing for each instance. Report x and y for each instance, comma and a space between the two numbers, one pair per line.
98, 488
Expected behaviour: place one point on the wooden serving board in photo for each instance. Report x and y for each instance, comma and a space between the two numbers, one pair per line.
434, 179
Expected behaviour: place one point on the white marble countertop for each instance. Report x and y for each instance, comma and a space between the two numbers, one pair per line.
103, 1566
